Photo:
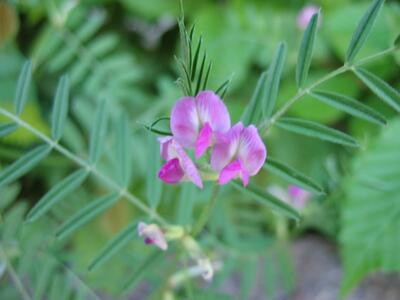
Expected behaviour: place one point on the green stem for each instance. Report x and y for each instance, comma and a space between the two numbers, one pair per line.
84, 164
14, 276
266, 124
206, 213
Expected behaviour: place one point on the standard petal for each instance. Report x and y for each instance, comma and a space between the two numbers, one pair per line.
226, 148
188, 166
171, 172
252, 152
185, 122
212, 109
204, 140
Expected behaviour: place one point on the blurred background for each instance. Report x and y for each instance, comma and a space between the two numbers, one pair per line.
124, 50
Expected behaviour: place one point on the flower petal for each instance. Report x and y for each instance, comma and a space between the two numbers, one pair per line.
230, 172
152, 235
185, 122
212, 109
252, 151
188, 166
204, 140
166, 150
226, 148
171, 172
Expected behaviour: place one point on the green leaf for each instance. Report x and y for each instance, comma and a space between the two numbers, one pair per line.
363, 29
60, 108
268, 200
273, 80
22, 92
306, 50
145, 267
351, 106
252, 113
383, 90
58, 192
292, 175
86, 214
370, 218
7, 129
24, 164
153, 184
185, 205
223, 88
98, 132
123, 150
315, 130
113, 246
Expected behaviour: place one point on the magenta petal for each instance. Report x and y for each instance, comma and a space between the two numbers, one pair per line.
230, 172
252, 151
226, 148
166, 150
204, 140
171, 172
185, 122
212, 109
188, 166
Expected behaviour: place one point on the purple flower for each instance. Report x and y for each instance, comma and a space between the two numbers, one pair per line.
178, 164
195, 122
238, 153
304, 16
298, 196
152, 235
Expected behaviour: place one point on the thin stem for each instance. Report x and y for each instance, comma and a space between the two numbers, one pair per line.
206, 213
79, 161
266, 124
14, 276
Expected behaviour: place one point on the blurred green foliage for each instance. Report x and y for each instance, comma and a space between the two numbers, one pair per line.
124, 50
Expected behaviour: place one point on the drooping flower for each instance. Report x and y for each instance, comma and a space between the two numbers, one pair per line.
238, 153
178, 164
298, 196
152, 235
197, 121
304, 16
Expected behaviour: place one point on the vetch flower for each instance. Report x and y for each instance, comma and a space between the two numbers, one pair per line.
238, 153
152, 235
298, 196
178, 164
304, 16
197, 121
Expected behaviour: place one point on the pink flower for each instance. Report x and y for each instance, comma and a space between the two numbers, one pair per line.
195, 122
178, 164
304, 17
298, 196
238, 153
152, 235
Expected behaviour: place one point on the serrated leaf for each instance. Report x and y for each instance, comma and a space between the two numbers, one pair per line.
98, 132
273, 80
24, 164
113, 246
153, 183
316, 130
306, 50
292, 175
370, 218
7, 129
145, 267
60, 108
22, 91
351, 106
383, 90
268, 200
58, 192
252, 112
363, 29
123, 150
86, 214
